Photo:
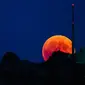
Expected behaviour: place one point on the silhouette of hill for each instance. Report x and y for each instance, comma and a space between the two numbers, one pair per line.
10, 61
58, 69
10, 67
61, 67
54, 69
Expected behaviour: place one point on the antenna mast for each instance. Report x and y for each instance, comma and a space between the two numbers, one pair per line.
72, 30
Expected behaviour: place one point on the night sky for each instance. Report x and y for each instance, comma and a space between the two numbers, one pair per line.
26, 24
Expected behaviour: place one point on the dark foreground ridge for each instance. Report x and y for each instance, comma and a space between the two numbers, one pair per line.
59, 69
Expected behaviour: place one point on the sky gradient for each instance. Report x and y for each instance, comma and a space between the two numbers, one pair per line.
26, 24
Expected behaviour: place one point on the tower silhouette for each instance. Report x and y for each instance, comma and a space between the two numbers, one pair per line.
73, 31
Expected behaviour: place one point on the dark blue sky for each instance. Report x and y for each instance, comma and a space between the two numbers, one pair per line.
26, 24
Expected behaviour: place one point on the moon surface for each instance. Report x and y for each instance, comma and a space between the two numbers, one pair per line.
55, 43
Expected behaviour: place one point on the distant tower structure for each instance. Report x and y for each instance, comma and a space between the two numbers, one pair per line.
73, 31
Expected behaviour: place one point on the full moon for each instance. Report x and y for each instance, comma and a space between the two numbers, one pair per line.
55, 43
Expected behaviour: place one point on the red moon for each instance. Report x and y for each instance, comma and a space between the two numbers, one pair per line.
55, 43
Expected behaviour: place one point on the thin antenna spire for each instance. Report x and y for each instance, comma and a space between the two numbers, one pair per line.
73, 30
